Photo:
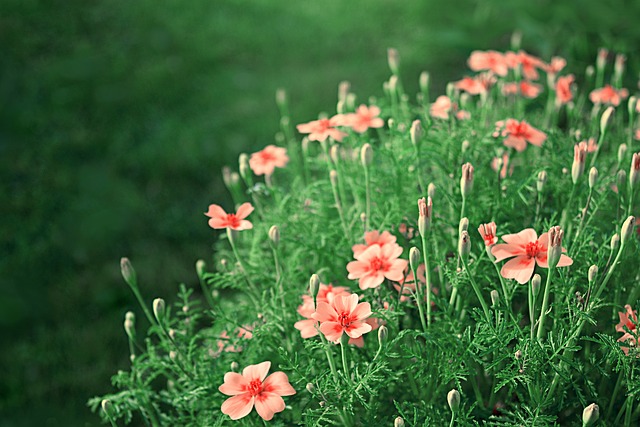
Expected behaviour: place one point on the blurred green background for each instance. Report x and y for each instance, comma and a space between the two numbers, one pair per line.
117, 116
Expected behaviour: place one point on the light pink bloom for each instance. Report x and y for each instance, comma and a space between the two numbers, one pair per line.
608, 95
441, 107
526, 89
375, 263
264, 162
373, 238
628, 319
527, 250
519, 133
471, 85
375, 324
253, 387
563, 89
320, 130
489, 60
364, 118
463, 115
636, 135
589, 145
343, 315
326, 293
235, 221
488, 233
528, 63
556, 65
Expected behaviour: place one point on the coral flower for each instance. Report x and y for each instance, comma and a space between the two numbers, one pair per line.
343, 315
375, 263
364, 118
320, 130
608, 95
373, 238
628, 320
253, 387
264, 162
528, 63
489, 60
556, 65
526, 89
563, 89
488, 233
527, 250
441, 107
589, 145
470, 85
326, 293
519, 133
236, 221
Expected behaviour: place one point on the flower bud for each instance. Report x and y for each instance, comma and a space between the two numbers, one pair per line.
173, 354
274, 235
393, 58
465, 146
128, 273
366, 155
234, 366
107, 408
424, 82
589, 72
424, 220
634, 171
334, 153
631, 106
416, 132
333, 177
622, 152
314, 285
245, 170
464, 245
516, 40
281, 101
464, 225
518, 355
542, 180
590, 415
453, 399
601, 60
466, 181
305, 146
398, 422
535, 284
593, 272
158, 309
621, 180
627, 228
605, 119
130, 325
579, 157
201, 268
495, 298
393, 85
431, 190
343, 90
383, 333
593, 177
554, 250
618, 67
363, 218
310, 388
615, 242
414, 258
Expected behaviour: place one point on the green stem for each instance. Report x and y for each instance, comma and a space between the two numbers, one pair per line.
146, 311
453, 418
427, 272
419, 300
343, 351
545, 304
476, 289
253, 287
368, 198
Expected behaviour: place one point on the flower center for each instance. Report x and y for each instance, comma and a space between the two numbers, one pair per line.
267, 157
533, 249
631, 325
255, 387
233, 220
488, 239
344, 319
377, 264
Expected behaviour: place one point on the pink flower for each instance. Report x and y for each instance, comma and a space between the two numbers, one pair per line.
343, 315
409, 282
253, 387
488, 233
375, 263
519, 133
364, 118
326, 293
472, 86
526, 89
563, 89
628, 320
529, 64
489, 60
264, 162
320, 130
527, 250
221, 219
374, 323
588, 145
556, 65
608, 95
441, 107
224, 345
373, 238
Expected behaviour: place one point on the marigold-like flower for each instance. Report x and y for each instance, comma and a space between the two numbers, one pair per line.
528, 250
373, 238
563, 89
308, 326
608, 95
375, 263
489, 60
343, 315
265, 161
628, 320
519, 133
235, 221
320, 130
253, 387
488, 233
364, 118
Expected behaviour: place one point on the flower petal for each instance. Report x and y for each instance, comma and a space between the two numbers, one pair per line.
215, 211
244, 210
234, 384
520, 268
267, 404
258, 371
238, 406
278, 383
331, 330
502, 251
325, 313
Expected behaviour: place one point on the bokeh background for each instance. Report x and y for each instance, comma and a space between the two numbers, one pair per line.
117, 116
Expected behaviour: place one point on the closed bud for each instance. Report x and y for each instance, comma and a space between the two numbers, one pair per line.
333, 177
622, 152
495, 298
281, 100
226, 176
465, 146
618, 66
201, 268
310, 388
158, 309
601, 60
627, 229
579, 157
130, 325
398, 422
128, 273
341, 107
622, 179
366, 155
464, 245
589, 72
431, 190
334, 153
107, 408
363, 218
463, 225
343, 90
516, 40
279, 138
424, 219
416, 132
631, 106
245, 170
466, 181
518, 355
605, 119
383, 333
593, 272
590, 415
634, 171
542, 180
535, 284
173, 354
393, 58
314, 285
414, 258
393, 85
305, 146
424, 82
615, 242
234, 366
554, 250
593, 177
274, 235
453, 399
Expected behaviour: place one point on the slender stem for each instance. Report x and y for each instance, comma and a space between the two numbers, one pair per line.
453, 418
532, 309
427, 272
476, 288
343, 351
419, 300
368, 198
545, 304
253, 287
146, 311
206, 292
615, 393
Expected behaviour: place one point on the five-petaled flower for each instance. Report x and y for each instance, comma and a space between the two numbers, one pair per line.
253, 387
320, 130
343, 315
628, 325
489, 60
375, 263
608, 95
308, 326
235, 221
364, 118
528, 250
265, 161
519, 133
563, 89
